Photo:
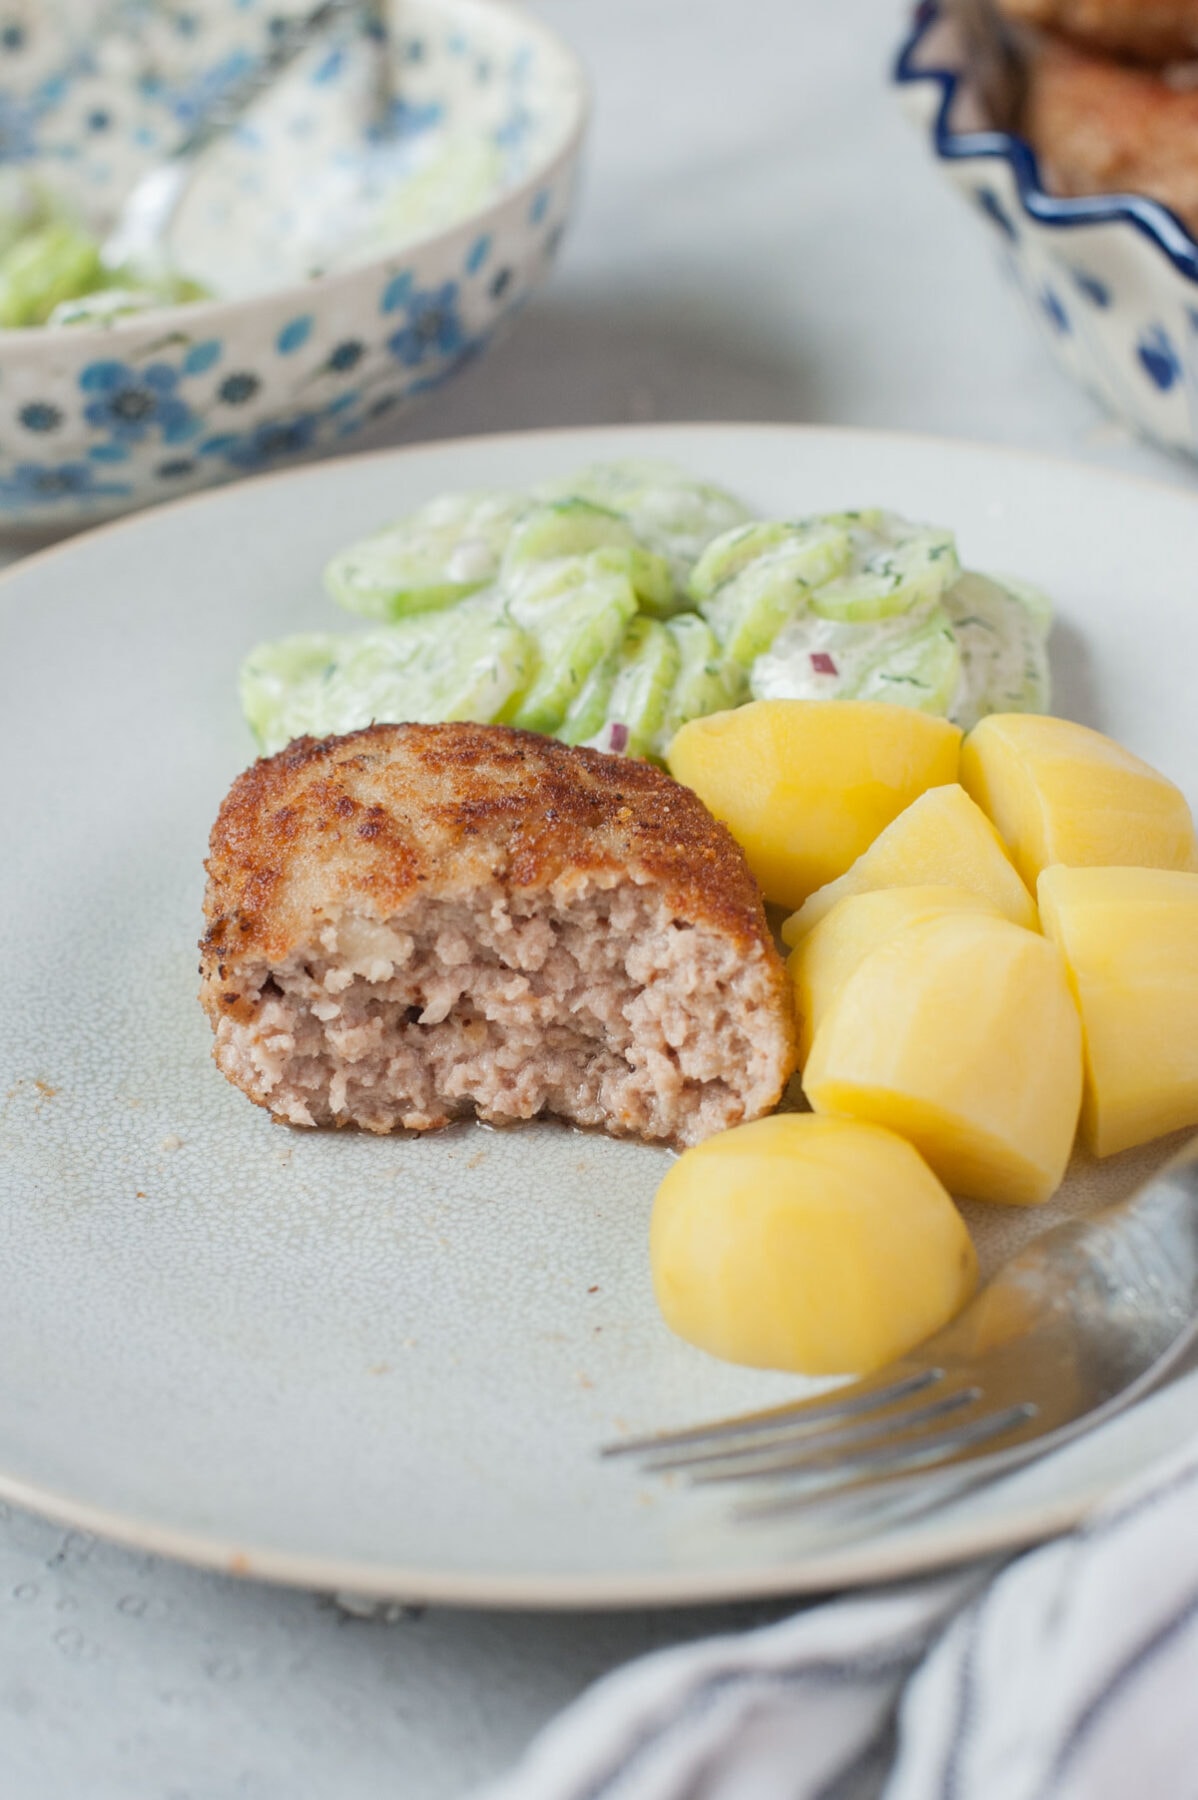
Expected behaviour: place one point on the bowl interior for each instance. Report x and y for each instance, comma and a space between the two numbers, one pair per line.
91, 96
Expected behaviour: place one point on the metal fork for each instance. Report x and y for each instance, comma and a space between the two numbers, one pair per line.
1071, 1331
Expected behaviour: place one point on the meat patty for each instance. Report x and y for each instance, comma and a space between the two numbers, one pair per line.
1101, 128
1157, 31
413, 923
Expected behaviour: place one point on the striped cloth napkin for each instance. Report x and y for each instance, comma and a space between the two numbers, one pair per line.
1069, 1674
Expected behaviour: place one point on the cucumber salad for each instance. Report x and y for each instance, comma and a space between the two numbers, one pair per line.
610, 607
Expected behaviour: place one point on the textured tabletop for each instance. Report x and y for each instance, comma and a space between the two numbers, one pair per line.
759, 237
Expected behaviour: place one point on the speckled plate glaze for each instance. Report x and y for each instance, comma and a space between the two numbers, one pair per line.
386, 1364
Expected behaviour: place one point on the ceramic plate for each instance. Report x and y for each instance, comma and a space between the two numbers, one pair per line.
386, 1364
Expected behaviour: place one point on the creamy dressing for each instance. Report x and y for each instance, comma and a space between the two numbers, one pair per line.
358, 205
610, 607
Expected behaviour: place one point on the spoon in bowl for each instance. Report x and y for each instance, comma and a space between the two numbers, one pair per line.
138, 238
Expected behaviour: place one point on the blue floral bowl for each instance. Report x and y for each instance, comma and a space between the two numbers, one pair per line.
98, 418
1111, 281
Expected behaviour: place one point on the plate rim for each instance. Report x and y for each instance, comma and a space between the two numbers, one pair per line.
320, 465
867, 1563
859, 1563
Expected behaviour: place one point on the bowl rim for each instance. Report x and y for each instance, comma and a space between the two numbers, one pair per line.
1151, 218
512, 13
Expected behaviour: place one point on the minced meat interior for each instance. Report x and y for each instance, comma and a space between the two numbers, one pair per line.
600, 1007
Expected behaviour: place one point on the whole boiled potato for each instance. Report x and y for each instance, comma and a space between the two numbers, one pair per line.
821, 1246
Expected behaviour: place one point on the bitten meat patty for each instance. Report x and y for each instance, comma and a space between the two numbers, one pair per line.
415, 923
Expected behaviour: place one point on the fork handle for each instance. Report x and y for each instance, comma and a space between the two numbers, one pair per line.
1153, 1230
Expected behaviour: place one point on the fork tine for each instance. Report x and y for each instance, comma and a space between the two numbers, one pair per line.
796, 1451
853, 1398
853, 1474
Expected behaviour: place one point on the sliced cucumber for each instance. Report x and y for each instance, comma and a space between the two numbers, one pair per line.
753, 581
567, 527
648, 573
576, 612
447, 549
471, 664
588, 709
704, 684
566, 611
45, 265
644, 670
670, 512
1033, 598
574, 527
912, 660
730, 554
895, 567
530, 594
1001, 628
274, 676
922, 671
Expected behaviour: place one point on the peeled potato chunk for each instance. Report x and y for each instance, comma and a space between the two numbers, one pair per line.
1130, 939
821, 1246
824, 959
945, 838
805, 786
1061, 793
961, 1034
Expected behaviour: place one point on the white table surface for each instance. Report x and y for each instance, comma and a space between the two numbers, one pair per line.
759, 237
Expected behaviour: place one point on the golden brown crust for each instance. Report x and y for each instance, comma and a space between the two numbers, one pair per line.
1101, 128
394, 813
1157, 31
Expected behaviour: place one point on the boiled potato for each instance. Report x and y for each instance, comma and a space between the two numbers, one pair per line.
943, 838
1061, 793
824, 959
961, 1034
817, 1245
805, 786
1130, 939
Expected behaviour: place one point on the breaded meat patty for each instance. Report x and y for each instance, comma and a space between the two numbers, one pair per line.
1101, 128
414, 923
1157, 31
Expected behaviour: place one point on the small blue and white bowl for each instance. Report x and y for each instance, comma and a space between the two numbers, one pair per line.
1112, 281
98, 419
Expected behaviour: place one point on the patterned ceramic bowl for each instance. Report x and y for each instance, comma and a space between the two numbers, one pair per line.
96, 419
1111, 281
